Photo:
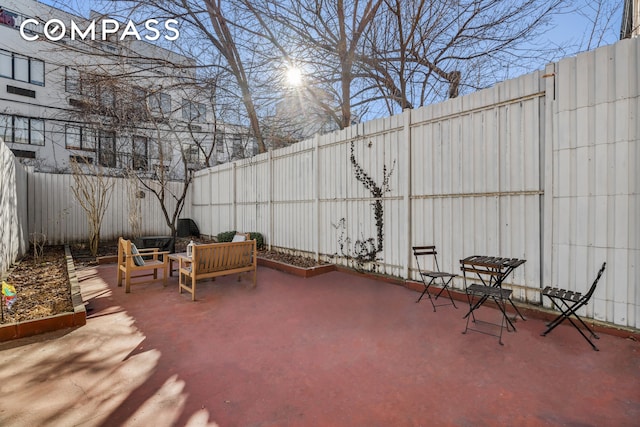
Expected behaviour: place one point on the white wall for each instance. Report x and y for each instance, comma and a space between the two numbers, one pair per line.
14, 239
543, 167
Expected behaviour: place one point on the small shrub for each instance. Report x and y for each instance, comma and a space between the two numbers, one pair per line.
226, 236
259, 238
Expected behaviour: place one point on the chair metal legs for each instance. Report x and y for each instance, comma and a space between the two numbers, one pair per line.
568, 302
445, 286
499, 296
566, 312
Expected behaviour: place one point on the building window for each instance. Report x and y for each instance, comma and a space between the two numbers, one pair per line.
218, 136
138, 106
194, 111
22, 68
160, 149
21, 130
6, 127
191, 153
107, 149
6, 64
72, 81
79, 138
237, 147
160, 103
96, 88
140, 96
36, 72
139, 151
106, 95
36, 135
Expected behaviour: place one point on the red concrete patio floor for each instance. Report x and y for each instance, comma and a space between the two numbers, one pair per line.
333, 350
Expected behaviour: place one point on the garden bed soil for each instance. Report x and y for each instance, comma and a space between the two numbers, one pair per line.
294, 260
42, 286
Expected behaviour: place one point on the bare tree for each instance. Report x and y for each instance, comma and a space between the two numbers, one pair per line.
205, 25
358, 55
222, 38
600, 16
135, 209
92, 189
127, 121
405, 54
323, 37
426, 51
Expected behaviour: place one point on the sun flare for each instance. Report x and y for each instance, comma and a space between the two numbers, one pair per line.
294, 76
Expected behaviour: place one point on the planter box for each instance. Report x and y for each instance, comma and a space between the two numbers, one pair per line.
296, 271
32, 327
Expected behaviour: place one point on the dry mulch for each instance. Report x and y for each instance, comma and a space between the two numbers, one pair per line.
295, 260
42, 286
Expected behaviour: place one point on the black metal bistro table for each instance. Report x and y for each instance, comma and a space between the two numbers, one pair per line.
491, 273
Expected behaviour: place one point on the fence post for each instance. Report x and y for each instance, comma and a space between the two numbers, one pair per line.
546, 177
316, 165
234, 190
211, 212
406, 148
270, 201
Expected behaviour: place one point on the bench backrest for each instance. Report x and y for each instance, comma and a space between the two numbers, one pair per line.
212, 257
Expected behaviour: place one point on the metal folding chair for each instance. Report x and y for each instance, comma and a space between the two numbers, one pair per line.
499, 296
430, 277
568, 302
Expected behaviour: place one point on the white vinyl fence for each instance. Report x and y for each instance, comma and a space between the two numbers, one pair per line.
55, 212
14, 239
43, 203
543, 167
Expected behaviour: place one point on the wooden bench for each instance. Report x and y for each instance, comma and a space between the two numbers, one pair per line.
127, 264
216, 259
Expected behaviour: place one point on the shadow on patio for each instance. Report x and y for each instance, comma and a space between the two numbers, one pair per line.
336, 349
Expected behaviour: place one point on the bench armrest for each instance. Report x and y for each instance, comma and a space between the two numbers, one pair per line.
145, 253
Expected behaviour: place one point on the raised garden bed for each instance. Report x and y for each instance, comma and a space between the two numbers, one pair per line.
48, 295
293, 264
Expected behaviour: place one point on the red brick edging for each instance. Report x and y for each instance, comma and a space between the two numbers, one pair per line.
78, 317
296, 271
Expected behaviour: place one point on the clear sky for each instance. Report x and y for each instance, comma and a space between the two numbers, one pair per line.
575, 28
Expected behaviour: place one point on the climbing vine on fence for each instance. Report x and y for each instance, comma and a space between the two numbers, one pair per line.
366, 250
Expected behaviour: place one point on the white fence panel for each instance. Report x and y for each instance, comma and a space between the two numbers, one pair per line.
476, 185
596, 181
293, 200
215, 211
543, 167
14, 232
54, 211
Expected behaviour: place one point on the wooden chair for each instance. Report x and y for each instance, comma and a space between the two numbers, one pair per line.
132, 260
